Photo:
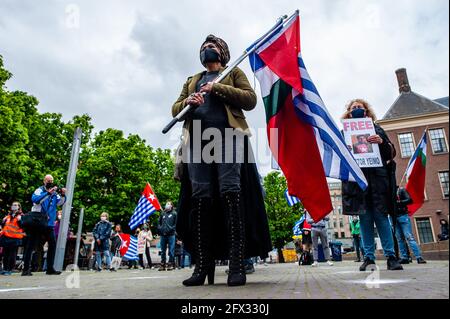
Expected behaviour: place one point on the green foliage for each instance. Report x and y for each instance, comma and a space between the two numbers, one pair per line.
281, 217
112, 171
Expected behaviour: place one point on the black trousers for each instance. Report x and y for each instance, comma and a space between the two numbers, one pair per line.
9, 257
34, 238
149, 258
216, 159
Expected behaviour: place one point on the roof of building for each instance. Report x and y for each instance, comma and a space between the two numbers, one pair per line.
413, 104
443, 101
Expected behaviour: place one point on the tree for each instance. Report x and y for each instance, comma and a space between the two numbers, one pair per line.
113, 172
281, 217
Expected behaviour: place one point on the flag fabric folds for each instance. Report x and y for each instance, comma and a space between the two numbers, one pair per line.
129, 247
303, 137
415, 176
147, 206
292, 200
298, 228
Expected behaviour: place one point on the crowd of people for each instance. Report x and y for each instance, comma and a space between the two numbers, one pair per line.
383, 204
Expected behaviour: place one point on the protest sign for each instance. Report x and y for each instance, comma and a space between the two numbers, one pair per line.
356, 133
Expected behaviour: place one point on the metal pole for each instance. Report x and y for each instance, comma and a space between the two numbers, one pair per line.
77, 247
67, 208
259, 43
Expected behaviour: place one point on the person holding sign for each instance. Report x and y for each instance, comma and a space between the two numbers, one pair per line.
375, 203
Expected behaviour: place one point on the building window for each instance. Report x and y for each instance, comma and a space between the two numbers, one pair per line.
335, 225
343, 235
407, 146
438, 142
443, 177
341, 222
424, 230
336, 235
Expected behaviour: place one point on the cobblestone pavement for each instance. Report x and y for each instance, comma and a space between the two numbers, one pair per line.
275, 281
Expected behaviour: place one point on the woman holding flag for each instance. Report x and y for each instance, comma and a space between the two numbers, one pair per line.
374, 204
221, 197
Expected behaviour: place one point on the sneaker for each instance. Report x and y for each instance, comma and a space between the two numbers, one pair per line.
420, 260
170, 267
53, 272
6, 273
27, 273
330, 263
162, 267
112, 270
393, 264
403, 261
358, 260
315, 264
367, 262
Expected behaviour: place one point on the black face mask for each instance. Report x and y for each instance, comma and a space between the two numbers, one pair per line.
209, 56
358, 113
48, 185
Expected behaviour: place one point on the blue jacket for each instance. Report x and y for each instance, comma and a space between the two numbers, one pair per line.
102, 230
45, 202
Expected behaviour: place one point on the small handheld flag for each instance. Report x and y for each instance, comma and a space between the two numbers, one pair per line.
128, 249
297, 230
147, 206
292, 200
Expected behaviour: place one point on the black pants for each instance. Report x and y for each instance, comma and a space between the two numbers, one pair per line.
149, 258
9, 257
221, 163
34, 238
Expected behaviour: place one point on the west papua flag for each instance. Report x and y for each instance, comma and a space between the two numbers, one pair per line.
128, 248
147, 206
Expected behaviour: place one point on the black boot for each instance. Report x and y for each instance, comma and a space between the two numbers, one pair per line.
420, 260
204, 263
367, 262
236, 235
393, 264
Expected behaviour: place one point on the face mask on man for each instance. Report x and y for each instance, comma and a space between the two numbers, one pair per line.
168, 207
15, 208
358, 113
209, 56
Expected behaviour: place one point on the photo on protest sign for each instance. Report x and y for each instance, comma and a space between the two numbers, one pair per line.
356, 134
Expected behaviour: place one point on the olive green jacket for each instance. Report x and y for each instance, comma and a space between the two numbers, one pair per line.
235, 92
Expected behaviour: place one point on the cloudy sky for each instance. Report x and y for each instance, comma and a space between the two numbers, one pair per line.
124, 62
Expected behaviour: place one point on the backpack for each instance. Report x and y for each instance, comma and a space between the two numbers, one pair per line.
306, 259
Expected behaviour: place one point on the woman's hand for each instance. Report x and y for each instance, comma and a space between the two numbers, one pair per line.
207, 88
375, 139
195, 99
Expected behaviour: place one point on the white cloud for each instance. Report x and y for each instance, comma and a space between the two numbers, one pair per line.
124, 63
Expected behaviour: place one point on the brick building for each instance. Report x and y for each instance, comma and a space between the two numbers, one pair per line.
405, 122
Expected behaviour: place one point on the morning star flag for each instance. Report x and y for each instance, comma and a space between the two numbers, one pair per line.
415, 176
292, 200
128, 249
303, 137
148, 205
297, 230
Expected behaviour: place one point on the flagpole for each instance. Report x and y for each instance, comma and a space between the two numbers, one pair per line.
280, 22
